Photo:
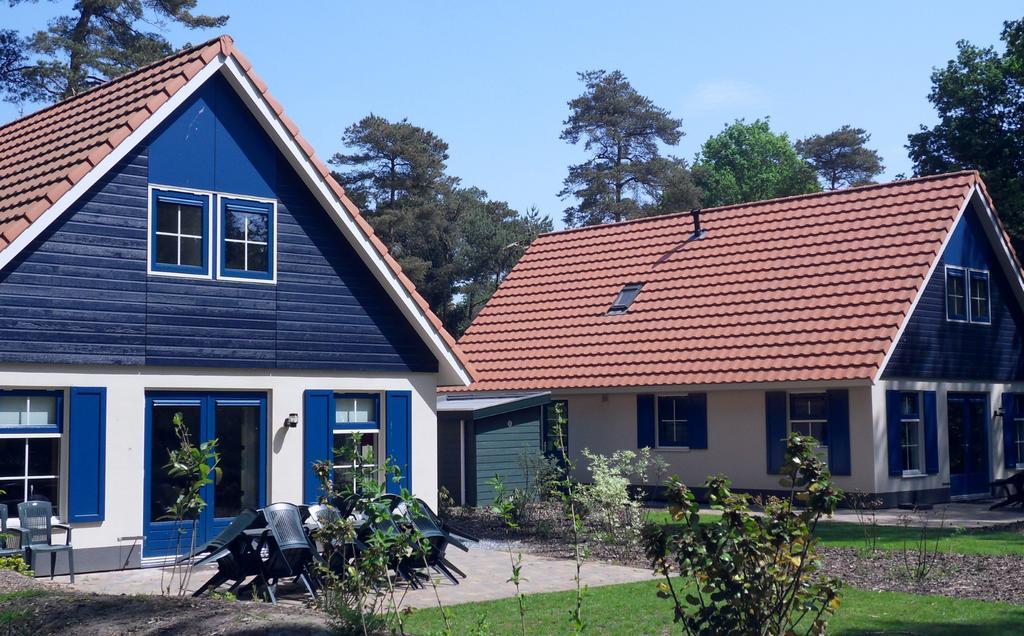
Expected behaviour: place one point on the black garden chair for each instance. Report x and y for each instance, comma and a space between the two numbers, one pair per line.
233, 551
290, 553
10, 542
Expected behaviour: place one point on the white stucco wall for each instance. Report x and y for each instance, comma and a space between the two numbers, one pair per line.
886, 483
605, 423
126, 389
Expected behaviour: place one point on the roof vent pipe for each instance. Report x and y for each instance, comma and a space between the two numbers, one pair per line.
697, 231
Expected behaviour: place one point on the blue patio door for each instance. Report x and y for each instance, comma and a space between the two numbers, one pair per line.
967, 417
238, 421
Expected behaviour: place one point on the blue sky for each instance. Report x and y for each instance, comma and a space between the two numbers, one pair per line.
493, 79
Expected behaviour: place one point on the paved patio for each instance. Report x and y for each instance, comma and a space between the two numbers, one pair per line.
488, 572
973, 514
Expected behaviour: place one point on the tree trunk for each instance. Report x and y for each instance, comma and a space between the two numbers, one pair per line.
78, 37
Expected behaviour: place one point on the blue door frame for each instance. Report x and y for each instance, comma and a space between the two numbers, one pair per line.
161, 537
967, 425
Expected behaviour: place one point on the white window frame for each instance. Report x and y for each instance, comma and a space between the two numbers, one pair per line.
657, 423
151, 231
272, 238
348, 432
214, 239
919, 421
342, 429
968, 314
62, 452
822, 447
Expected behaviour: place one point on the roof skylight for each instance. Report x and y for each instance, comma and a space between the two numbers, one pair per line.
625, 298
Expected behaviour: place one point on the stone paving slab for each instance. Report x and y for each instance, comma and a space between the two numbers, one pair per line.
488, 572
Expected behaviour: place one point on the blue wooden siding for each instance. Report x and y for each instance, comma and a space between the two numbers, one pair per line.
81, 295
934, 348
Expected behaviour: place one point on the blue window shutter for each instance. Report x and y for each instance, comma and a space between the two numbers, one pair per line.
931, 434
1010, 458
893, 433
398, 407
317, 419
839, 431
645, 421
697, 420
775, 429
87, 442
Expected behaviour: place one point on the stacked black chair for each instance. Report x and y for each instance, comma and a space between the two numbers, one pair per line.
233, 551
290, 553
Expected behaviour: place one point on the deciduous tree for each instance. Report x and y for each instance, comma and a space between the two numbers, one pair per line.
841, 158
96, 41
979, 98
621, 130
748, 162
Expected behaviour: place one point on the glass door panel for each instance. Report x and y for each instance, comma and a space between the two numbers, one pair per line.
967, 419
164, 489
237, 428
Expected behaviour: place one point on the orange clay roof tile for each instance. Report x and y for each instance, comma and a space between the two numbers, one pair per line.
806, 288
43, 154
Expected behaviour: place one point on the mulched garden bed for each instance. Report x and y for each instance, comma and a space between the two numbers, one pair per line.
982, 577
30, 606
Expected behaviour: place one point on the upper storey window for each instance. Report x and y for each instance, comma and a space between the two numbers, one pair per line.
185, 239
968, 295
180, 229
247, 229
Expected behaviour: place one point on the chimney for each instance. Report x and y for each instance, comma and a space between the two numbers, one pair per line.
697, 232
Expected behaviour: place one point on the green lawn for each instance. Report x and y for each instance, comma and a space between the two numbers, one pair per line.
635, 609
851, 535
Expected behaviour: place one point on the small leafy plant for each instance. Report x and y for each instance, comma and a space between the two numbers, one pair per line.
866, 508
504, 507
751, 574
194, 467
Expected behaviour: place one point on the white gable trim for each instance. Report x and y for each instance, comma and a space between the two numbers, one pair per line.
107, 163
451, 370
996, 239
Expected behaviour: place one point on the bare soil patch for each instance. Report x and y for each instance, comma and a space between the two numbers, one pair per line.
29, 606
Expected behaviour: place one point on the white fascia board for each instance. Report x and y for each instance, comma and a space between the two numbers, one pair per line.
1002, 251
456, 373
108, 163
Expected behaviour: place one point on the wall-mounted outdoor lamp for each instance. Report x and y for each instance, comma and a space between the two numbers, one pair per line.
292, 420
997, 413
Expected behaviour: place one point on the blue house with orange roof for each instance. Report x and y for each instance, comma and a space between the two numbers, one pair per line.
170, 244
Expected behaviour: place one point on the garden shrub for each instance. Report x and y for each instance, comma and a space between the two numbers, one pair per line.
613, 511
16, 563
750, 574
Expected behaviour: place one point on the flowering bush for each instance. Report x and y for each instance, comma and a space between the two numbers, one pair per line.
613, 511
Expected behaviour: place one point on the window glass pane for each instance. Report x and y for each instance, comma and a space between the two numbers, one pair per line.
257, 227
44, 490
164, 489
672, 423
807, 406
234, 224
42, 411
12, 457
909, 406
191, 220
552, 445
13, 494
43, 456
167, 250
956, 297
257, 258
348, 410
979, 297
238, 429
13, 410
167, 217
234, 255
192, 251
